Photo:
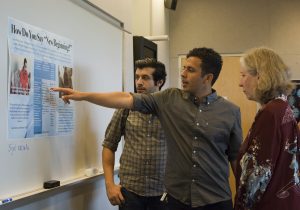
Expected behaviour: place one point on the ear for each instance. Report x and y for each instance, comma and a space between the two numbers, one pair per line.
209, 78
159, 83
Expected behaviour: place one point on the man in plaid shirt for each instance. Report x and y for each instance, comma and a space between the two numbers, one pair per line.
142, 163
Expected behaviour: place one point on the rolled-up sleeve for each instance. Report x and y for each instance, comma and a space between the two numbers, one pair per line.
113, 131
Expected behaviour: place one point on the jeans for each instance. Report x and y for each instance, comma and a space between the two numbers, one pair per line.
174, 204
137, 202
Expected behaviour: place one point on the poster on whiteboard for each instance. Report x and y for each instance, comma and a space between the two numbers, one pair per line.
38, 60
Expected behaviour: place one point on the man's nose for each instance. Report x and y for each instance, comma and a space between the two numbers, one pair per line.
183, 73
139, 81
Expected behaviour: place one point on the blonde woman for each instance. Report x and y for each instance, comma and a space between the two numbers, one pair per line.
267, 171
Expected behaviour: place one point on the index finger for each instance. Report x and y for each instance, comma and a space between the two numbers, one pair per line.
66, 91
58, 89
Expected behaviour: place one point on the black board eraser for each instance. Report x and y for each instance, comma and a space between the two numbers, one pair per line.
52, 183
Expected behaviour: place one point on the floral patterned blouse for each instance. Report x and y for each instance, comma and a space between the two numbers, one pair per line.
267, 172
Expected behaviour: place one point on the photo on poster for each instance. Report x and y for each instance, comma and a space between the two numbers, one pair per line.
20, 74
65, 77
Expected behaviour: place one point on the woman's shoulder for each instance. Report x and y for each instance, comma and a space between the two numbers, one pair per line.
276, 105
278, 108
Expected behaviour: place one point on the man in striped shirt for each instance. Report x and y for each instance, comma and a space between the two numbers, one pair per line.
142, 163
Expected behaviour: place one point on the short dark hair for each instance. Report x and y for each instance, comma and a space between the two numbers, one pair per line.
159, 69
211, 61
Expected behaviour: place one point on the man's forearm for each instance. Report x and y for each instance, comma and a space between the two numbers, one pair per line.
108, 162
112, 100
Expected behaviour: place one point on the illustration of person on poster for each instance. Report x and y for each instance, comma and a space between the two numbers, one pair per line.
20, 76
24, 79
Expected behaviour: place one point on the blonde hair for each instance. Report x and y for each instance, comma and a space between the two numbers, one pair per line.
274, 75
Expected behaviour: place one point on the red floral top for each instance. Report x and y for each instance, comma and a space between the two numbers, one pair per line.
268, 173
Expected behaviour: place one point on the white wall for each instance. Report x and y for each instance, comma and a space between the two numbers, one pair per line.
91, 196
120, 9
150, 18
141, 17
233, 26
285, 32
128, 76
160, 26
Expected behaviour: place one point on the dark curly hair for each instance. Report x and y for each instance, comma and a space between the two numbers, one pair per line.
160, 70
211, 61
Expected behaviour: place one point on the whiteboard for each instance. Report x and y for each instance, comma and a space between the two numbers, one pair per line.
97, 67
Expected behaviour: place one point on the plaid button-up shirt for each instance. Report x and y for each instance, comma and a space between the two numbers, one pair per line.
142, 163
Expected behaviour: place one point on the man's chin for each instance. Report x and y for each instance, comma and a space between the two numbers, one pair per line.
141, 91
184, 87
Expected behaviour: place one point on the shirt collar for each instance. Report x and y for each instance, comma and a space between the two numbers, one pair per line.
205, 100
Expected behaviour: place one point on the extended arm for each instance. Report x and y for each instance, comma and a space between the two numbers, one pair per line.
111, 100
113, 191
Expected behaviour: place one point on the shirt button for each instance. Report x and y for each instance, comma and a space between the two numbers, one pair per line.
148, 148
200, 110
194, 166
207, 103
148, 134
149, 121
197, 124
195, 137
193, 180
194, 151
206, 123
